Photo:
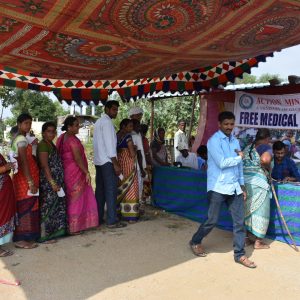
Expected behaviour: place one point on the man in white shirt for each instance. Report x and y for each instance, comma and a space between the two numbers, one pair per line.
180, 138
186, 158
107, 166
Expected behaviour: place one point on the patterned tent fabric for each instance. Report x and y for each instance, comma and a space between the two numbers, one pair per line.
133, 46
89, 90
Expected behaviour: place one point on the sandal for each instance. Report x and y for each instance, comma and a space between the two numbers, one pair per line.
259, 244
245, 261
49, 242
116, 225
198, 250
5, 253
25, 245
132, 222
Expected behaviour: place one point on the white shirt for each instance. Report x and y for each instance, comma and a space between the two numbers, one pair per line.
105, 140
190, 161
138, 142
180, 138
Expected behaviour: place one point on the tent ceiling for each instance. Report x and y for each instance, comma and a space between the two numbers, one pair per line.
130, 39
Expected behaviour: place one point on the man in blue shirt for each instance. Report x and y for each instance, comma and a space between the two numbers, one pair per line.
284, 168
225, 183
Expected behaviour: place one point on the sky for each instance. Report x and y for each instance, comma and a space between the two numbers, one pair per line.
285, 63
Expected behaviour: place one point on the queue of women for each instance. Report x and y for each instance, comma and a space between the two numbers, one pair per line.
50, 195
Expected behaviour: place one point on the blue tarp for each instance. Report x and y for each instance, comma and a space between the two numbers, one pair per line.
183, 192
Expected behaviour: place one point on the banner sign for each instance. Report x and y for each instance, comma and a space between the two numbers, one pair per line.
268, 111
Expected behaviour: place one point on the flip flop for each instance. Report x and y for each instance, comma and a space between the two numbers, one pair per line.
5, 253
28, 246
49, 242
198, 250
244, 260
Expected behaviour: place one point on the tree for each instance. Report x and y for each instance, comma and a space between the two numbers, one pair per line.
167, 112
39, 105
247, 78
6, 99
264, 78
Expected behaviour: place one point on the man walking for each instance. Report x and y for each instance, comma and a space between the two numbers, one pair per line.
225, 183
107, 166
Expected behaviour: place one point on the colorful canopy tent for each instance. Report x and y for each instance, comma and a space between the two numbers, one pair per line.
83, 50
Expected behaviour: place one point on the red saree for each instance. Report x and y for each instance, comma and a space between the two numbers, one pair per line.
7, 205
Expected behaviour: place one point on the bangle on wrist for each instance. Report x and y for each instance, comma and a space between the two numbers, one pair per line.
52, 182
30, 182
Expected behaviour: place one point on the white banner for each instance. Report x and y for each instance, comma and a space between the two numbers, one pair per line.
267, 111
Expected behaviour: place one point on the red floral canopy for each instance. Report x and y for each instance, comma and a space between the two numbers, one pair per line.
84, 50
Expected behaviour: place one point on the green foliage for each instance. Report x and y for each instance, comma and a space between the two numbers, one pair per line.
247, 78
167, 112
39, 105
264, 78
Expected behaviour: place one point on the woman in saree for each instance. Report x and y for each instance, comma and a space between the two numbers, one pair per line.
82, 210
26, 184
128, 190
7, 206
257, 161
158, 148
52, 206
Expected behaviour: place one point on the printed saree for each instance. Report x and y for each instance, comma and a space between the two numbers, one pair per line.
257, 211
52, 207
82, 211
7, 206
28, 226
128, 190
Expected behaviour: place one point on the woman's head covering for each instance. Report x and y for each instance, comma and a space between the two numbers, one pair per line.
156, 135
135, 111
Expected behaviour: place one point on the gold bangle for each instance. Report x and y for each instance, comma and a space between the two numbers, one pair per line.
52, 182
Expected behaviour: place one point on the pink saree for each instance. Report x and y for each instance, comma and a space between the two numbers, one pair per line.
82, 210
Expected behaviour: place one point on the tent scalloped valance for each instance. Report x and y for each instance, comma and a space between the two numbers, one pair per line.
98, 90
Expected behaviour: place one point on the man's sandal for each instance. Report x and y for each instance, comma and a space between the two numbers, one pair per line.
5, 253
198, 250
245, 261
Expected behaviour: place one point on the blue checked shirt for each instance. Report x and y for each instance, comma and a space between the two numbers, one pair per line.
225, 167
287, 168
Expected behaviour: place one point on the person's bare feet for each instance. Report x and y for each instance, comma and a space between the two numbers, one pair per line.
259, 244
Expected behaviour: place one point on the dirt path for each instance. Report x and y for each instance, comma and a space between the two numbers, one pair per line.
149, 260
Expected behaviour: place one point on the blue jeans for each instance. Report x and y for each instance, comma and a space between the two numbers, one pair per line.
235, 204
106, 192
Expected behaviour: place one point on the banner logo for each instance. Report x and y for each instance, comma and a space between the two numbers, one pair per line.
246, 101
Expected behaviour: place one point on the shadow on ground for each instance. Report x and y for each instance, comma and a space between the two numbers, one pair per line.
82, 266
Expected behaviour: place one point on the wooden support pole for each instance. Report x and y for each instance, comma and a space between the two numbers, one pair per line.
192, 116
152, 120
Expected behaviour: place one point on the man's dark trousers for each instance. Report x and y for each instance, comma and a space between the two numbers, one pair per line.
106, 192
235, 204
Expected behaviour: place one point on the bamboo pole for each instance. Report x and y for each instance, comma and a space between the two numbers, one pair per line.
192, 116
152, 120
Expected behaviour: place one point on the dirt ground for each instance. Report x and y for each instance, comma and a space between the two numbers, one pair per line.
149, 260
